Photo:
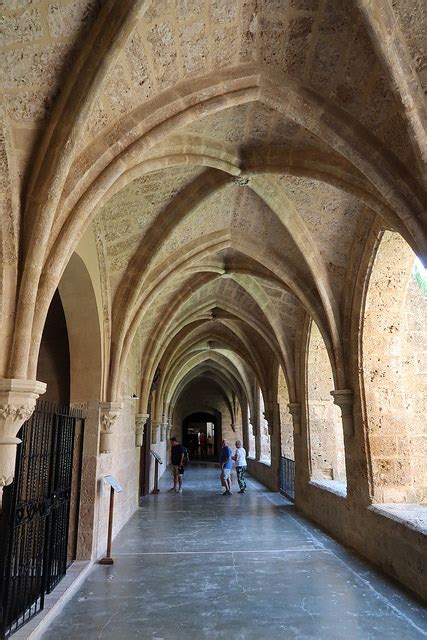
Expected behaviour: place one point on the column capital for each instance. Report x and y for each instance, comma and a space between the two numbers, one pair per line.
163, 430
140, 422
17, 402
343, 398
295, 411
294, 408
270, 408
254, 426
108, 414
155, 426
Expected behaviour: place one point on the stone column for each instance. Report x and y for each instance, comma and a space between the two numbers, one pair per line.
256, 424
17, 402
343, 398
163, 431
169, 429
302, 472
140, 422
295, 411
108, 414
155, 426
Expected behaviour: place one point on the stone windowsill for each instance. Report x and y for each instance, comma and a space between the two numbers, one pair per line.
411, 515
337, 487
265, 462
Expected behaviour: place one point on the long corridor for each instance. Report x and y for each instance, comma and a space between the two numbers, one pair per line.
205, 566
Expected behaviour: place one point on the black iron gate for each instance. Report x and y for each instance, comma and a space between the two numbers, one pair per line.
36, 513
287, 477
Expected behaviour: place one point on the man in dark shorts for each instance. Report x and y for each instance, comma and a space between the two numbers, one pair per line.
177, 463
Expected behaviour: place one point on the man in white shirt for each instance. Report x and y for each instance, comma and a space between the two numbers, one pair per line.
240, 460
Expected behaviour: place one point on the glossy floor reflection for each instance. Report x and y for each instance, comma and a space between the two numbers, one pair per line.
201, 565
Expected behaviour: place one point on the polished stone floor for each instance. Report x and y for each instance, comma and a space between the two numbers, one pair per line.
243, 567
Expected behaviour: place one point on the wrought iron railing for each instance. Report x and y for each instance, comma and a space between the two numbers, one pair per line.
287, 477
34, 522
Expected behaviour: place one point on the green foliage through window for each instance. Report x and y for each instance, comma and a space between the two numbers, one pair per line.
420, 274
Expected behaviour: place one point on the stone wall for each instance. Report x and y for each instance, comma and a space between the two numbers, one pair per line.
396, 546
268, 474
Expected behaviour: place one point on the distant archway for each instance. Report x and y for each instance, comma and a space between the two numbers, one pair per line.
208, 424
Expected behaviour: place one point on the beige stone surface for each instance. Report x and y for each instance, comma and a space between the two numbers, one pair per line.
222, 191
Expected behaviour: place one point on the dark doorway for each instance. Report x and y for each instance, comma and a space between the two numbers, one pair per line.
201, 435
53, 365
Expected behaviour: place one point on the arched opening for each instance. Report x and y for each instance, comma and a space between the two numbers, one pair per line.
202, 434
394, 348
53, 365
79, 302
286, 425
265, 440
325, 432
251, 435
204, 394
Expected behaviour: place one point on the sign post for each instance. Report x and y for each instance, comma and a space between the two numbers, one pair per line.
114, 486
158, 460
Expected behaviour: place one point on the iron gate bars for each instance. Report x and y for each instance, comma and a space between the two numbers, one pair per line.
287, 477
35, 516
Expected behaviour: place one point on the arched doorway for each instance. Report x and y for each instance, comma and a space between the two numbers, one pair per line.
202, 434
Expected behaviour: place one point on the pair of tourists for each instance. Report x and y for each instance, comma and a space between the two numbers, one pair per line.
226, 462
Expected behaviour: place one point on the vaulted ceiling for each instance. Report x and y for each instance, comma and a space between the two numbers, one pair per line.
230, 157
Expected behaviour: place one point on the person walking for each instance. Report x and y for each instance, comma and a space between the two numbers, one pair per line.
210, 445
177, 464
203, 445
225, 460
240, 460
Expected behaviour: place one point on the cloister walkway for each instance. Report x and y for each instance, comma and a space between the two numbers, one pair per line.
247, 567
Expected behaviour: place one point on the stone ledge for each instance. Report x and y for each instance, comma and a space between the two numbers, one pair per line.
413, 516
336, 487
55, 601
